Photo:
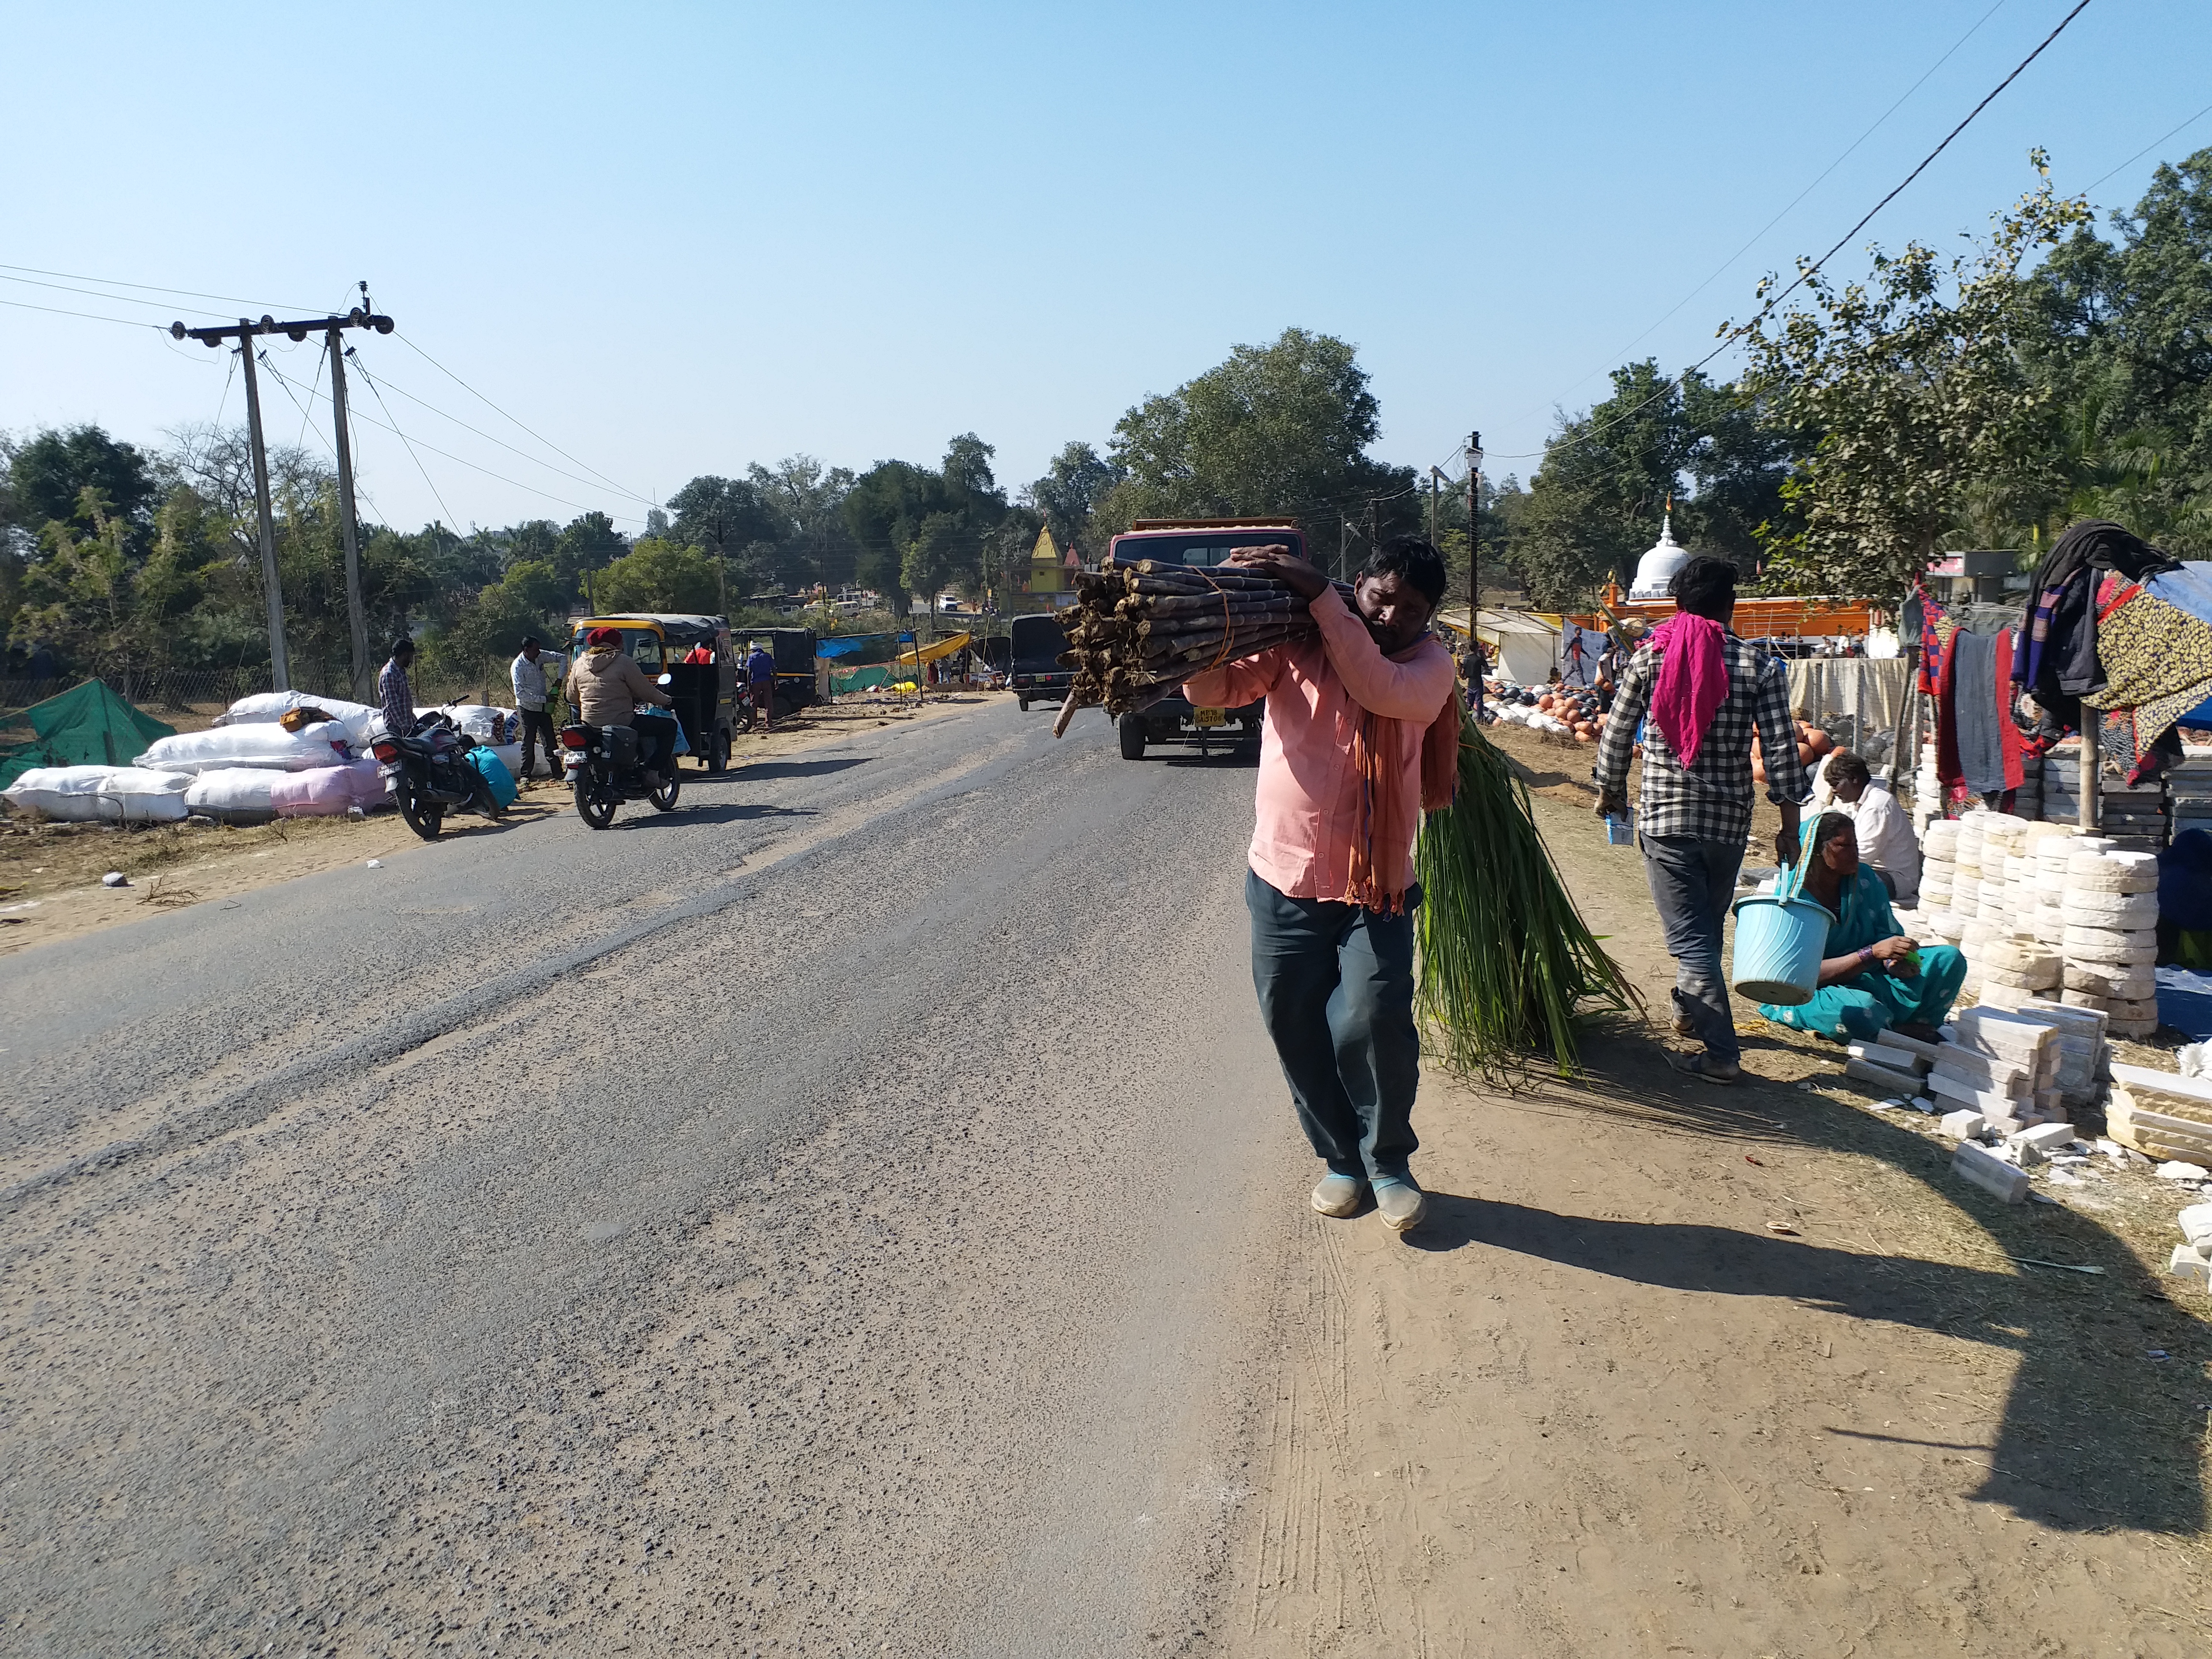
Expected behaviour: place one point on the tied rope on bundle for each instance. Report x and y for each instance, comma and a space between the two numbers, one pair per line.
1138, 630
1506, 961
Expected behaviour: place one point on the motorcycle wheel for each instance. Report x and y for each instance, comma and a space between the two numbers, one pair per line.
589, 807
487, 803
425, 821
664, 797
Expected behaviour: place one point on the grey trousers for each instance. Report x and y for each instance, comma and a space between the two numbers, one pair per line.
1693, 882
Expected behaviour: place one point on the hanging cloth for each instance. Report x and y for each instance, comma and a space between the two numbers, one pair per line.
1692, 682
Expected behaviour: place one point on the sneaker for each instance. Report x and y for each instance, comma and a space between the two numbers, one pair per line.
1705, 1067
1401, 1204
1339, 1195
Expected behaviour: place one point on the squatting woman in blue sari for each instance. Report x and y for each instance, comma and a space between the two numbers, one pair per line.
1871, 979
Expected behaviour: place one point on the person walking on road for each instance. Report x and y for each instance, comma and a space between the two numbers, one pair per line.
1705, 691
528, 673
393, 695
760, 684
1362, 734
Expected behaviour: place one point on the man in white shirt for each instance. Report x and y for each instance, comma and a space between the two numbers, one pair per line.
527, 672
1884, 833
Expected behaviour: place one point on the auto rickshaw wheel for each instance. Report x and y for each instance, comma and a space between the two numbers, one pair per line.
718, 757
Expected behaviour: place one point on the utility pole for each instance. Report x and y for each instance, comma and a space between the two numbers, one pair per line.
245, 333
1433, 476
1474, 553
1343, 545
1374, 527
356, 614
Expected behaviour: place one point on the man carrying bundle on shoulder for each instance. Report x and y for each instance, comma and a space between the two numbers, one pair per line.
1362, 734
1705, 691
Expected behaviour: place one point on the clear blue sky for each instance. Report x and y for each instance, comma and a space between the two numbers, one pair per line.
675, 239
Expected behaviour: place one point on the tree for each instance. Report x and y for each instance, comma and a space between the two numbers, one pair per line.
49, 473
1596, 503
589, 542
1070, 489
530, 598
726, 517
917, 529
1276, 428
659, 574
813, 541
2123, 330
1906, 398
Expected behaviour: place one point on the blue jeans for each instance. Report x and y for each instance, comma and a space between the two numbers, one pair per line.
1692, 883
1336, 993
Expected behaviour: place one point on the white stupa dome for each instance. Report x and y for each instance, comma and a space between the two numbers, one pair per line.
1656, 569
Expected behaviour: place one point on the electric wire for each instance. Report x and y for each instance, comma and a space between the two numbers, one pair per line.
119, 299
414, 444
594, 483
409, 448
1805, 272
2153, 145
496, 410
1724, 265
117, 281
127, 322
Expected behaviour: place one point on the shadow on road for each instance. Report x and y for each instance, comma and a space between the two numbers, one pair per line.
735, 811
2095, 1432
1227, 760
813, 769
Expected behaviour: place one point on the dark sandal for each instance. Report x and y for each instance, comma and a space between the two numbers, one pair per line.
1704, 1068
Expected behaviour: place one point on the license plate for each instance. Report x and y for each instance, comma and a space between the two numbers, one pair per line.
1209, 717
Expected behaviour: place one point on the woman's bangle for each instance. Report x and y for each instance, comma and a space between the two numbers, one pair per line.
1866, 954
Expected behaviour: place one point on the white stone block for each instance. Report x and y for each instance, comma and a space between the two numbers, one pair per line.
2185, 1263
2197, 1223
1881, 1053
2046, 1136
1960, 1126
1990, 1172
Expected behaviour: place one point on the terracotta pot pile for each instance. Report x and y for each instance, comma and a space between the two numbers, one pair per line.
1812, 744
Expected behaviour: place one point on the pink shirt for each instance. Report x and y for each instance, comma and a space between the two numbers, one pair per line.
1309, 804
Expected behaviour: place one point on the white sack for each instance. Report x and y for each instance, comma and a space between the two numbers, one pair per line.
266, 707
131, 794
262, 744
233, 791
487, 725
69, 794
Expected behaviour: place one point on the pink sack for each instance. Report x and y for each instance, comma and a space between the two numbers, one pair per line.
325, 792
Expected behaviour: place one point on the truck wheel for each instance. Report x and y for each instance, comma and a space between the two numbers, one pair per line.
1025, 702
1132, 730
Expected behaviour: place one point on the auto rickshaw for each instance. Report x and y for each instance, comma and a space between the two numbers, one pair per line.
705, 694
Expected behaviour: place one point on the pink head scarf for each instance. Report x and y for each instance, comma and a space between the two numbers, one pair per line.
1692, 682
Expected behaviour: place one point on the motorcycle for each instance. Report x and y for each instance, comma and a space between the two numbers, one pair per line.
602, 766
430, 774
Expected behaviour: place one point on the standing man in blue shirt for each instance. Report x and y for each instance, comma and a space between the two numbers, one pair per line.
760, 677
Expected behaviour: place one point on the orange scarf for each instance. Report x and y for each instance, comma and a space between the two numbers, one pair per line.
1381, 857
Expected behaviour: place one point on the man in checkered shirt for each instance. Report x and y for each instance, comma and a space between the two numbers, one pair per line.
1692, 822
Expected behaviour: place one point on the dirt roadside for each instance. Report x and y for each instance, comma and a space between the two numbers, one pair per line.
50, 873
1682, 1369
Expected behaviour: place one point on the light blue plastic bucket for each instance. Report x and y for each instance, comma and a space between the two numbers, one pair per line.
1779, 940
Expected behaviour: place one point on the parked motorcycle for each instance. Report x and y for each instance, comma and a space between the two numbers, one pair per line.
602, 768
430, 775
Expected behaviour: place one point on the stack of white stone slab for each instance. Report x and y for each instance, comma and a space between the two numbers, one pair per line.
1893, 1061
1926, 790
2019, 968
2110, 908
1966, 872
2005, 1066
2004, 838
2161, 1115
2192, 1257
1939, 867
2084, 1058
2052, 851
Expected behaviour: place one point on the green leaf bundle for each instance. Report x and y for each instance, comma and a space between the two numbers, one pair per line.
1506, 963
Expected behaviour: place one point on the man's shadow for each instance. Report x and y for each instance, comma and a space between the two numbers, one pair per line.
2095, 1432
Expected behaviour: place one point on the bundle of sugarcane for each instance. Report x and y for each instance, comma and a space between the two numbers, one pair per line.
1139, 630
1506, 961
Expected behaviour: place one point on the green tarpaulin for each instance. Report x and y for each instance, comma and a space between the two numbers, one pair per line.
87, 725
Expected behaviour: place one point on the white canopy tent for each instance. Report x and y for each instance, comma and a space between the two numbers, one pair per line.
1522, 647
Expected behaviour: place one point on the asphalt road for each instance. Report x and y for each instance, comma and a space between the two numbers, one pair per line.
839, 1216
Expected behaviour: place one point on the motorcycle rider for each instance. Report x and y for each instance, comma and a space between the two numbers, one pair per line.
605, 687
